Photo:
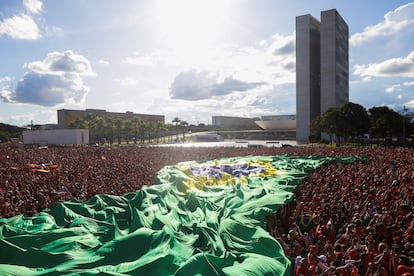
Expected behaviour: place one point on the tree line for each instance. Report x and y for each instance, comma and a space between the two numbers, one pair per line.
106, 129
352, 122
349, 122
9, 131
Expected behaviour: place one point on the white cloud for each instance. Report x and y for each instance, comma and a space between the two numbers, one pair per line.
239, 73
408, 83
250, 81
398, 87
395, 67
20, 27
393, 88
265, 100
409, 104
273, 61
394, 22
198, 85
23, 25
5, 95
283, 45
192, 85
49, 90
5, 79
57, 63
103, 62
33, 6
55, 80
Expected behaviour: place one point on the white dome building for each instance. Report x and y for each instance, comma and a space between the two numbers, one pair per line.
278, 122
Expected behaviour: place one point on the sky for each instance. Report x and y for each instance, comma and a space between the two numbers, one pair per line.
191, 59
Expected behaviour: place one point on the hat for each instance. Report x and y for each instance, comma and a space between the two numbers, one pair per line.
322, 258
292, 234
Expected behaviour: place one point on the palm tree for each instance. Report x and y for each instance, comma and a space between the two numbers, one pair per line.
168, 128
142, 129
108, 130
128, 126
176, 121
151, 128
183, 125
100, 125
136, 124
119, 123
90, 119
160, 130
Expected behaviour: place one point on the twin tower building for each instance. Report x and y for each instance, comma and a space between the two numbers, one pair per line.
322, 67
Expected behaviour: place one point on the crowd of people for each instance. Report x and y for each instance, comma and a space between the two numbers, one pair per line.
345, 219
34, 178
353, 219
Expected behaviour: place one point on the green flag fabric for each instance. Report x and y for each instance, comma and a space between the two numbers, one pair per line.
201, 218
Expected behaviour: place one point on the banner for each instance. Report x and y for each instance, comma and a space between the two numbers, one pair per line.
204, 218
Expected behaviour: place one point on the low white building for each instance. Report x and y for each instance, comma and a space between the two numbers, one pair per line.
56, 137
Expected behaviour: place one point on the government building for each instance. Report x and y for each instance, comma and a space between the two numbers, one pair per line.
67, 116
322, 67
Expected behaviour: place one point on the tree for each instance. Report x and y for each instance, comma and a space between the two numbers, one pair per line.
151, 129
79, 123
119, 123
183, 125
136, 123
90, 119
10, 131
4, 136
315, 129
159, 128
143, 128
100, 126
176, 121
385, 122
349, 120
330, 122
355, 120
128, 126
407, 124
109, 125
169, 129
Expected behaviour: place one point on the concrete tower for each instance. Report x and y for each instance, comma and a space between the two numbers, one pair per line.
334, 60
322, 79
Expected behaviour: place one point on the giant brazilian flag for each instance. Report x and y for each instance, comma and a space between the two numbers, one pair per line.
202, 218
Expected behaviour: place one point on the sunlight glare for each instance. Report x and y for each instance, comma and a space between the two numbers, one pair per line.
190, 23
